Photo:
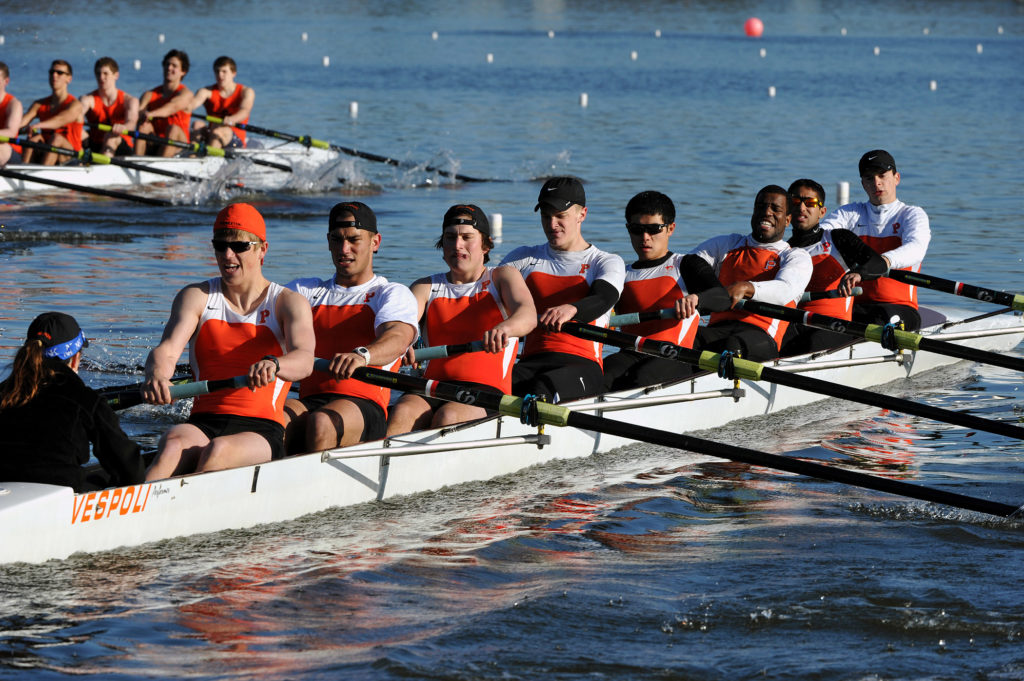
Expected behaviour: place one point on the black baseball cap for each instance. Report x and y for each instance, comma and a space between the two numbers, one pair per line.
59, 333
362, 217
876, 162
478, 218
559, 193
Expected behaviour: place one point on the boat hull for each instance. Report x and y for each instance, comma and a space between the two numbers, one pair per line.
42, 522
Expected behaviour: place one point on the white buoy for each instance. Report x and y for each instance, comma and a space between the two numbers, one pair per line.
496, 227
842, 193
305, 37
926, 30
933, 86
999, 30
657, 33
764, 53
771, 90
551, 34
137, 64
584, 100
160, 38
353, 109
842, 31
327, 61
433, 35
2, 40
633, 55
490, 58
980, 48
878, 50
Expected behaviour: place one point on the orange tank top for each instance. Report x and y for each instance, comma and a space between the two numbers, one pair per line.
656, 288
4, 103
884, 289
226, 344
179, 119
101, 113
220, 106
72, 131
460, 313
825, 275
747, 263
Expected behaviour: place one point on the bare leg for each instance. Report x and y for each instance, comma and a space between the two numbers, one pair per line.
178, 452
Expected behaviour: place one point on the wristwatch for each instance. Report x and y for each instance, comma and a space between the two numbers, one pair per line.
364, 353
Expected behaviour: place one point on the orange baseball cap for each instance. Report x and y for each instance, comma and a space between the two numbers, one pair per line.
241, 216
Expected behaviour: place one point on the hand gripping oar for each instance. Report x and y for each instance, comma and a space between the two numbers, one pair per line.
958, 288
197, 148
631, 318
82, 188
537, 413
321, 144
891, 338
130, 398
87, 156
733, 367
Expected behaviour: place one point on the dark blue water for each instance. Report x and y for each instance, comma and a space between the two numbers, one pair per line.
634, 564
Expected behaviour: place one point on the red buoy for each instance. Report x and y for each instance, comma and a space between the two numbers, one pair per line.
753, 28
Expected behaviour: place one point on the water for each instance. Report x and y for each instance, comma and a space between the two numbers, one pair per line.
633, 564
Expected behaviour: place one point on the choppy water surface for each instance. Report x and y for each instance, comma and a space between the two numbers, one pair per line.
641, 563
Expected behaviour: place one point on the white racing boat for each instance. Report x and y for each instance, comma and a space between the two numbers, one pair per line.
42, 522
250, 167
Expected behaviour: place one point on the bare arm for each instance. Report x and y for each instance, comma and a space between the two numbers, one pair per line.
522, 315
30, 115
131, 115
202, 94
185, 314
244, 108
9, 125
393, 339
74, 112
299, 343
178, 102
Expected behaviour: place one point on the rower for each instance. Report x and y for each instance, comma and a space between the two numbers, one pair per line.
164, 110
107, 105
761, 266
226, 100
569, 279
49, 417
833, 253
899, 231
660, 279
60, 118
237, 323
10, 114
470, 302
360, 319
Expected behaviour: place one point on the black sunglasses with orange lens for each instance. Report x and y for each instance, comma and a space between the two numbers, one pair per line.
809, 201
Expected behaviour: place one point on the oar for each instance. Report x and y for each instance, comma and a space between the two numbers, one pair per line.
130, 398
321, 144
82, 188
905, 340
958, 288
538, 413
88, 156
631, 318
731, 367
196, 148
441, 351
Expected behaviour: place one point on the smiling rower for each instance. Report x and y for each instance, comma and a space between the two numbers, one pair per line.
761, 266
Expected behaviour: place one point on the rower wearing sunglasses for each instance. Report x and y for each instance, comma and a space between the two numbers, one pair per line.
898, 231
236, 324
660, 279
60, 118
833, 253
760, 266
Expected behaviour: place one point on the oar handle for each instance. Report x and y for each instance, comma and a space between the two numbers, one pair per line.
441, 351
809, 296
958, 288
631, 318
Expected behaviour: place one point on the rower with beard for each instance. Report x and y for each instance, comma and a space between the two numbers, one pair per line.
660, 279
360, 319
760, 266
833, 253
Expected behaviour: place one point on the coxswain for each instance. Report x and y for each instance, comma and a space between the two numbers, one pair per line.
230, 101
107, 105
236, 324
164, 110
10, 115
60, 118
470, 302
49, 417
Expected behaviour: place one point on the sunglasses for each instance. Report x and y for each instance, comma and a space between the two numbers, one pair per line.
638, 228
59, 72
809, 201
220, 245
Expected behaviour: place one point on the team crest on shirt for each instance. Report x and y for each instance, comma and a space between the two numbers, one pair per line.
895, 228
369, 295
770, 264
584, 267
263, 316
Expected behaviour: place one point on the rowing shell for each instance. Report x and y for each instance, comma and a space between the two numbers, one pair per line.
42, 522
257, 177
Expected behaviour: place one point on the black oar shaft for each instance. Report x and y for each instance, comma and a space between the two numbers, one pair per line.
562, 416
958, 288
82, 188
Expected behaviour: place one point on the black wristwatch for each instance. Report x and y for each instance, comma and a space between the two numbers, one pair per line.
277, 364
364, 353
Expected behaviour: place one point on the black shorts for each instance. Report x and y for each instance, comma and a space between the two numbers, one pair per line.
629, 369
882, 313
559, 376
436, 403
751, 342
216, 425
375, 419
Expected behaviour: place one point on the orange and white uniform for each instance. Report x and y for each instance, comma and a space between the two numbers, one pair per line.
162, 126
219, 106
656, 288
226, 344
460, 313
72, 131
4, 103
829, 268
345, 318
559, 277
778, 272
100, 113
898, 231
